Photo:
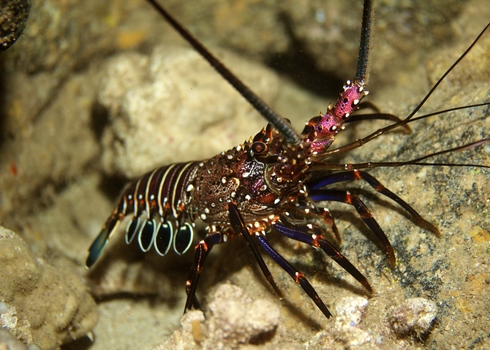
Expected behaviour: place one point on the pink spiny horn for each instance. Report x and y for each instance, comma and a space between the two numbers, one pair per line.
321, 130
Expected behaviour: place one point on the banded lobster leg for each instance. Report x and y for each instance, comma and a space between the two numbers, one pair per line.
203, 248
313, 240
379, 187
305, 210
318, 193
319, 241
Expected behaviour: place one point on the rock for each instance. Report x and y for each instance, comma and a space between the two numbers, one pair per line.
350, 312
41, 304
415, 316
235, 320
8, 341
144, 94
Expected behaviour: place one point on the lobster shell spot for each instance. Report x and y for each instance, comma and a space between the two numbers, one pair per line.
183, 238
146, 234
132, 229
163, 238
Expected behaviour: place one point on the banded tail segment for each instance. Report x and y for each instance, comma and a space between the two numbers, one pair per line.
158, 202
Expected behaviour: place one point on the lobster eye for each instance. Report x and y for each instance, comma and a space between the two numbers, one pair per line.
259, 147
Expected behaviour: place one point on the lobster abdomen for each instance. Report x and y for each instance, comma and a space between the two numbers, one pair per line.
163, 214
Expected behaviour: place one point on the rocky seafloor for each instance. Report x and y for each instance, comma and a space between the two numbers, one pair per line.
94, 94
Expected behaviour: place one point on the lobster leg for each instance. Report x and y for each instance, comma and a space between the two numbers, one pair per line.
320, 242
328, 218
294, 273
239, 226
364, 213
375, 184
325, 214
202, 250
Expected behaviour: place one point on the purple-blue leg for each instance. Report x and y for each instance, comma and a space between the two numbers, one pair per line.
319, 241
376, 185
297, 276
305, 211
364, 213
239, 227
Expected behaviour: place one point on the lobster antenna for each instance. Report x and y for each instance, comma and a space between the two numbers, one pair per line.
260, 106
407, 120
416, 161
364, 45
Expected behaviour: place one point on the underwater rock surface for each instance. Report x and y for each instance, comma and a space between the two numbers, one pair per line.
39, 303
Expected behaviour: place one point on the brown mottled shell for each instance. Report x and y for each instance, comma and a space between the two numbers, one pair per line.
257, 176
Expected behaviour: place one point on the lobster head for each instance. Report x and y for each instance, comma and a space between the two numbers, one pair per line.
284, 164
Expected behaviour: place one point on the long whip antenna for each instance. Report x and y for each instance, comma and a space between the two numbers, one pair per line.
364, 46
278, 122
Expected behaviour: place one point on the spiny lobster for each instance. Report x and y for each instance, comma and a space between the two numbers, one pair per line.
272, 182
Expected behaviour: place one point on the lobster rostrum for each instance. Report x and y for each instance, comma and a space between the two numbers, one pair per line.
272, 182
